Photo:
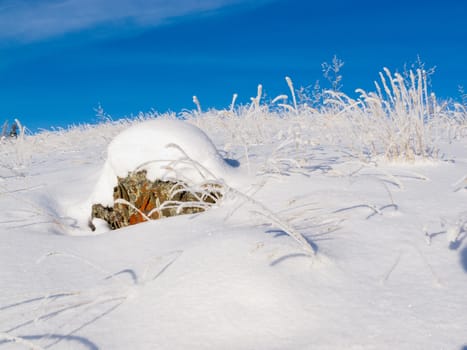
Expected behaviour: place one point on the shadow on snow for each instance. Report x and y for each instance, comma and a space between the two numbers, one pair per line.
463, 257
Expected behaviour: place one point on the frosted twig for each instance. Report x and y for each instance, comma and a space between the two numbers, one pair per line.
21, 341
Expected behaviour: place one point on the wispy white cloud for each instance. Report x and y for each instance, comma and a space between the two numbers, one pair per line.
31, 20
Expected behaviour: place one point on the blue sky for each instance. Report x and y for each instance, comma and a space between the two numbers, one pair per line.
60, 58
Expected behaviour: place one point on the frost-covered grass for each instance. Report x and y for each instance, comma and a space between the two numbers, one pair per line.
376, 185
401, 121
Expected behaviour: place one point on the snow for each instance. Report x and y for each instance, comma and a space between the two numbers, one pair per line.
390, 270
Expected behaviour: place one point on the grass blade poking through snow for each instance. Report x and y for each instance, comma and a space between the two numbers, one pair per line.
267, 213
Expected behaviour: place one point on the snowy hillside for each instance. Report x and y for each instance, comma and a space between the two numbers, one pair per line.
377, 187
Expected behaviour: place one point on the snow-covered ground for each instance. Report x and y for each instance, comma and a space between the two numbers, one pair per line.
390, 270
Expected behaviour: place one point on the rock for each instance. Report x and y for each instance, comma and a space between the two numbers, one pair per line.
136, 199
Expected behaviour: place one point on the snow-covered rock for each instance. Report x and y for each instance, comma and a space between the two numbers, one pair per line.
167, 150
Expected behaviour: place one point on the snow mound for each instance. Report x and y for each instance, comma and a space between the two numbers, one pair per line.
167, 150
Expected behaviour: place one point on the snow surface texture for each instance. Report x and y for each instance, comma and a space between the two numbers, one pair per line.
390, 273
